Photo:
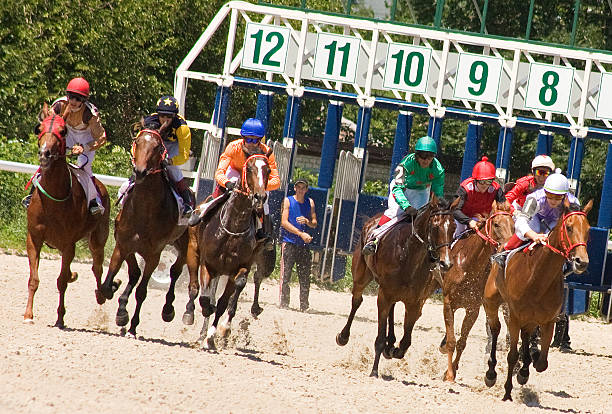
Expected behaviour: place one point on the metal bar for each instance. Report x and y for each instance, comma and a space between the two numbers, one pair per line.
529, 20
231, 37
575, 23
393, 9
439, 10
20, 167
483, 21
349, 6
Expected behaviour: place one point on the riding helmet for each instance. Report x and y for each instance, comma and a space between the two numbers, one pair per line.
426, 144
167, 105
557, 183
483, 170
253, 127
543, 161
78, 86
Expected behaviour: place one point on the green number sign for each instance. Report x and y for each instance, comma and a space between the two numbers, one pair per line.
478, 77
549, 87
265, 47
336, 57
604, 104
407, 67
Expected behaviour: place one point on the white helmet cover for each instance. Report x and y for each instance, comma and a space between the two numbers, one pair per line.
543, 161
556, 183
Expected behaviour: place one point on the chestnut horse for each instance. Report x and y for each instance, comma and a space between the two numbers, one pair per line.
147, 222
533, 289
464, 283
403, 267
224, 247
58, 214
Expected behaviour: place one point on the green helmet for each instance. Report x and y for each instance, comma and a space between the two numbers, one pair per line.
426, 143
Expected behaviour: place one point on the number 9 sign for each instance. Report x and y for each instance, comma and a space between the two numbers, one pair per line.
478, 78
265, 47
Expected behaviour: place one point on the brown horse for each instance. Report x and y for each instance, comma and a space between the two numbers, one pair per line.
224, 247
58, 214
533, 289
404, 267
147, 222
464, 283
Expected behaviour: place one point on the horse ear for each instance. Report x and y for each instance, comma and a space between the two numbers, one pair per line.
588, 206
43, 112
434, 200
270, 151
455, 203
37, 129
566, 203
494, 207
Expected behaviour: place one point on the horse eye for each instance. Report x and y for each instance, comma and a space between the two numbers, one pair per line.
570, 229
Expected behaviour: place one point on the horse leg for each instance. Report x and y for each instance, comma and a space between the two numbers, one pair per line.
411, 315
193, 260
134, 274
175, 272
97, 241
390, 346
381, 339
109, 287
523, 375
546, 331
151, 263
491, 301
513, 355
62, 284
228, 289
265, 265
33, 247
451, 342
468, 322
239, 284
362, 276
207, 294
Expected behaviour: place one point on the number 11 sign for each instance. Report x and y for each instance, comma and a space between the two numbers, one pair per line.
336, 57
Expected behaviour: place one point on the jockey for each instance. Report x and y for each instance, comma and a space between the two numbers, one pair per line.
178, 144
85, 133
539, 214
476, 195
417, 175
230, 166
541, 167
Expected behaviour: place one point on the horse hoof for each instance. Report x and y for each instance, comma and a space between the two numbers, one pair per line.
507, 397
188, 318
398, 354
374, 373
130, 335
449, 377
100, 297
73, 277
59, 324
210, 343
521, 378
387, 352
168, 316
28, 321
341, 340
541, 365
122, 318
256, 311
443, 350
489, 382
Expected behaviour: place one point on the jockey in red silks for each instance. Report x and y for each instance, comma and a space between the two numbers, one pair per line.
541, 167
417, 176
476, 195
85, 134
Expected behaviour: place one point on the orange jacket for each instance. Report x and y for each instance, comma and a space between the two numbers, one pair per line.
234, 156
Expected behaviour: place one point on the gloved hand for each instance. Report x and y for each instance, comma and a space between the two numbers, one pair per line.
411, 211
230, 185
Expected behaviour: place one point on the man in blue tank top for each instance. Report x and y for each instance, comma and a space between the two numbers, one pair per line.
297, 215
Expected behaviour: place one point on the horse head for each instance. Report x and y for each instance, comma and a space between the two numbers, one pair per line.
441, 229
499, 225
573, 235
51, 131
255, 175
148, 153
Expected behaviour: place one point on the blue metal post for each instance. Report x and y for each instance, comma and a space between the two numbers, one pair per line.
222, 102
605, 207
574, 164
292, 119
545, 143
401, 141
504, 149
361, 138
265, 100
434, 130
330, 144
471, 154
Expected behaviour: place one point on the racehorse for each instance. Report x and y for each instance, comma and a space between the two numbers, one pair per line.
147, 222
58, 214
224, 247
404, 266
463, 284
533, 289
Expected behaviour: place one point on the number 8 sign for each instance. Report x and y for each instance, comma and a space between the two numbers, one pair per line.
549, 87
265, 47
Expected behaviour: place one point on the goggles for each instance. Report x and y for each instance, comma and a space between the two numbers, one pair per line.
252, 140
484, 182
76, 97
541, 172
425, 155
556, 197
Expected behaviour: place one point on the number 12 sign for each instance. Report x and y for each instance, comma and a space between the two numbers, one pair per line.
265, 47
336, 57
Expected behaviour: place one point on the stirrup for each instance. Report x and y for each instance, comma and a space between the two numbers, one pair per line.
26, 201
95, 209
500, 258
370, 247
187, 210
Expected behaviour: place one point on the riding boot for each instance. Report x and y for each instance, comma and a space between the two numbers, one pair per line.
95, 205
185, 192
561, 338
26, 200
500, 258
264, 233
370, 247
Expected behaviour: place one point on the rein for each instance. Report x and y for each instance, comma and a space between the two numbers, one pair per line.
433, 249
42, 190
223, 226
164, 153
567, 248
488, 224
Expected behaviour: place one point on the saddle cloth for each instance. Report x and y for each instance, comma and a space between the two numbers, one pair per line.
128, 185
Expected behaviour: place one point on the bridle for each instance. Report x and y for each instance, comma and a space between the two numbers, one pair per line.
53, 129
488, 227
163, 151
244, 183
566, 246
434, 250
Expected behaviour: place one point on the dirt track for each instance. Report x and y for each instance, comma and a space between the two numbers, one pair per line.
285, 361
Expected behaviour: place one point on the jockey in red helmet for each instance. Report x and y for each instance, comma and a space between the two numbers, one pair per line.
541, 167
476, 195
